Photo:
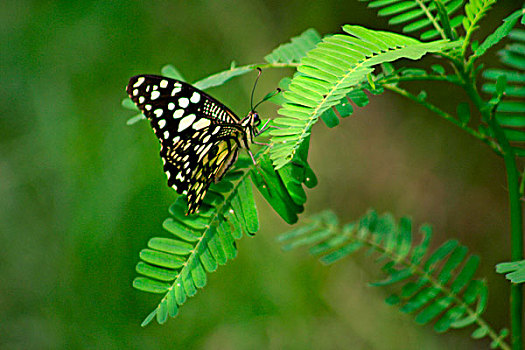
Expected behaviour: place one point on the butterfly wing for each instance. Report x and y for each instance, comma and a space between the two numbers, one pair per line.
199, 136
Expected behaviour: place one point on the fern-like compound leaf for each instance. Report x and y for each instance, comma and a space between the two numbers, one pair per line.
437, 286
475, 10
177, 266
329, 73
421, 15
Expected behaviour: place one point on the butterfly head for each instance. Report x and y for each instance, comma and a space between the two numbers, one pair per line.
256, 119
251, 123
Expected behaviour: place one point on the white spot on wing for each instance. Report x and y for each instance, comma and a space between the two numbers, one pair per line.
168, 174
201, 124
205, 151
158, 112
166, 134
171, 106
135, 92
200, 149
186, 121
216, 130
142, 99
183, 102
155, 94
196, 97
162, 123
139, 81
148, 107
175, 90
163, 83
178, 113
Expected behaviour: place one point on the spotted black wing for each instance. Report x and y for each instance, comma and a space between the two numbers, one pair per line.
199, 136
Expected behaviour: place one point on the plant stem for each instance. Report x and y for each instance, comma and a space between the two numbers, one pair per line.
516, 222
444, 115
516, 296
516, 214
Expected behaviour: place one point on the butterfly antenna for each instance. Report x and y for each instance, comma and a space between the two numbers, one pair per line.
267, 97
254, 85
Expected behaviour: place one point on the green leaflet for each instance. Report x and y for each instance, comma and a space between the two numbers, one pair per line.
439, 288
463, 111
171, 71
434, 18
222, 77
293, 51
514, 271
507, 86
500, 33
474, 11
328, 74
271, 186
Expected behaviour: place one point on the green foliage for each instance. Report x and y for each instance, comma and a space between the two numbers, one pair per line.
437, 286
420, 15
463, 111
328, 78
500, 33
293, 51
475, 10
514, 271
508, 89
283, 188
171, 71
177, 267
285, 53
222, 77
290, 54
334, 74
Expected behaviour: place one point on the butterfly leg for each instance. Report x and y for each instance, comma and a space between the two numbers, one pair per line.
260, 174
266, 127
261, 143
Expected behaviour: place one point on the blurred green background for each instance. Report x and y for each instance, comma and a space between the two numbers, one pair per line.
81, 192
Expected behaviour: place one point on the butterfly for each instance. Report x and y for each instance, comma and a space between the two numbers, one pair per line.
199, 137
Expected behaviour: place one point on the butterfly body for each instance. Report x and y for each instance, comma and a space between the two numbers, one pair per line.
199, 137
